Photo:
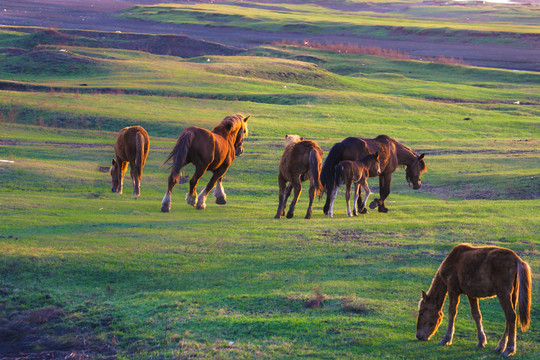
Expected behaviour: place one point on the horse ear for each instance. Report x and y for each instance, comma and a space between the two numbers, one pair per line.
377, 155
247, 118
424, 295
421, 156
286, 136
113, 162
301, 138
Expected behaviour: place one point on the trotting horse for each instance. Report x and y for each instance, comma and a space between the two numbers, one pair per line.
478, 272
301, 159
391, 154
208, 150
354, 172
131, 147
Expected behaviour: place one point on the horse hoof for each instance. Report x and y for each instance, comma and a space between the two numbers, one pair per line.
508, 352
165, 208
374, 204
201, 206
382, 209
308, 217
363, 211
221, 201
289, 215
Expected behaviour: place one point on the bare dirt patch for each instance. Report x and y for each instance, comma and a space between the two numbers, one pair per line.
36, 335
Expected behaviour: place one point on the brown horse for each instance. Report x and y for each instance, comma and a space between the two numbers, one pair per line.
391, 154
208, 150
478, 272
354, 172
131, 147
301, 159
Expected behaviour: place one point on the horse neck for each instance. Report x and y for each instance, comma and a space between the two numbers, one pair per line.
405, 155
437, 291
230, 136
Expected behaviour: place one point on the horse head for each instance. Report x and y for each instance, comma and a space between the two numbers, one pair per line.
415, 170
239, 141
429, 317
115, 172
372, 162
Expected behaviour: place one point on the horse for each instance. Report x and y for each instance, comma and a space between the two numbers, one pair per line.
131, 147
478, 272
391, 154
208, 150
301, 159
348, 172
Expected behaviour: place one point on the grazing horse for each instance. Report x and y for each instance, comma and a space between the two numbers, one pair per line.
208, 150
301, 159
478, 272
357, 172
391, 154
131, 147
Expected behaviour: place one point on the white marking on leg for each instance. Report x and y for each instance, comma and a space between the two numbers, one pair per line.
201, 200
332, 198
166, 203
191, 199
219, 192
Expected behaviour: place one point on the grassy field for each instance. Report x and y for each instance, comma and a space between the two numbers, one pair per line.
87, 271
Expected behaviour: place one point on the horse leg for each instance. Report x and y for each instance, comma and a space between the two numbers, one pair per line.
166, 202
384, 191
191, 196
348, 197
201, 199
332, 198
326, 207
477, 316
363, 210
357, 194
452, 312
219, 193
136, 179
297, 190
282, 198
508, 341
123, 169
288, 192
311, 197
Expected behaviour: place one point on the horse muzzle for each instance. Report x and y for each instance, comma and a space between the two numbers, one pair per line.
239, 151
417, 186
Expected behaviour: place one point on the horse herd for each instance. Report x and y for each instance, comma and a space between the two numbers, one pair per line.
477, 272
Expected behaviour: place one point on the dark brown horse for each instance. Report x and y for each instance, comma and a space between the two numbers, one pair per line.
354, 172
478, 272
208, 150
391, 153
301, 159
131, 147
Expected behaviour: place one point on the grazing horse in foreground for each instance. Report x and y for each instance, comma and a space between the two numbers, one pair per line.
391, 154
478, 272
131, 147
301, 159
354, 172
208, 150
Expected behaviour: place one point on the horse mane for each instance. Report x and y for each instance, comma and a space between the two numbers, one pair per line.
230, 124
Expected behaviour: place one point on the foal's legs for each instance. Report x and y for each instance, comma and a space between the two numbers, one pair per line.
297, 190
508, 340
348, 197
452, 312
477, 316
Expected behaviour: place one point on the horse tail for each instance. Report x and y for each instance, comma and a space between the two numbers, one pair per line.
524, 275
315, 162
139, 157
179, 152
327, 174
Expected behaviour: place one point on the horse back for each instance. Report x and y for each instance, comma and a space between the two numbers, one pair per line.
132, 144
296, 158
480, 271
353, 171
356, 148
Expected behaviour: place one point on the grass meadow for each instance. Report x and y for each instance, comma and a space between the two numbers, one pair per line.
88, 271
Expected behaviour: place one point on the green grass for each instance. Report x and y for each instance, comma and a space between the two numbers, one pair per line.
230, 282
